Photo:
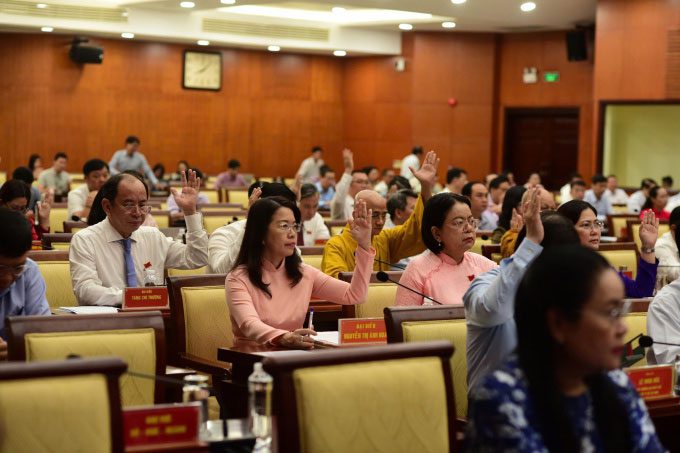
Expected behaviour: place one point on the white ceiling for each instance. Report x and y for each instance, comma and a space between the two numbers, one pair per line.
367, 26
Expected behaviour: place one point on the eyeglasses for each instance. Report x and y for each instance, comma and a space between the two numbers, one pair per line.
616, 313
379, 215
132, 207
285, 226
459, 223
21, 209
363, 182
16, 271
588, 225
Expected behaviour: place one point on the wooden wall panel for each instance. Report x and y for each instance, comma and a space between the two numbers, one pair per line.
271, 110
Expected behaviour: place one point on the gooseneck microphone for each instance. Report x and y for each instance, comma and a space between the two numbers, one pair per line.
383, 277
398, 266
646, 341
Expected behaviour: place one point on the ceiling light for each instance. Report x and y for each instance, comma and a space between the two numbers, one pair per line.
527, 6
458, 2
124, 14
227, 2
47, 29
187, 4
405, 27
41, 5
127, 35
203, 42
355, 16
273, 48
339, 53
449, 24
338, 10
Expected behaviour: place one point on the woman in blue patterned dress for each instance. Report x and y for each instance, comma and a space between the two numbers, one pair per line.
563, 391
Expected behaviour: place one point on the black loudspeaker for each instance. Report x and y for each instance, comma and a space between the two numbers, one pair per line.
82, 53
577, 47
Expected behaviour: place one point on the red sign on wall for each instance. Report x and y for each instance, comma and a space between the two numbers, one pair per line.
162, 424
145, 298
362, 331
653, 381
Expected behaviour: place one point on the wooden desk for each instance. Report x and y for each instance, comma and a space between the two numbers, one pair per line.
665, 415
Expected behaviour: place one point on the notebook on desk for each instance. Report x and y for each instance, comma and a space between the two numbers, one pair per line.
88, 310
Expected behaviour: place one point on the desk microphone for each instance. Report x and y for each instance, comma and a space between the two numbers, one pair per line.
647, 341
398, 266
383, 277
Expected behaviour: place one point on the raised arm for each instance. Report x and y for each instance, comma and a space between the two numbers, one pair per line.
342, 187
194, 253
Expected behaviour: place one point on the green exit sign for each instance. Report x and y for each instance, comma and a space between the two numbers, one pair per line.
551, 76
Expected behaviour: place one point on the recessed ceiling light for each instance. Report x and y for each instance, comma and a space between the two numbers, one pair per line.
527, 6
406, 27
203, 42
187, 4
339, 53
273, 48
47, 29
449, 24
124, 14
227, 2
338, 10
41, 5
458, 2
127, 35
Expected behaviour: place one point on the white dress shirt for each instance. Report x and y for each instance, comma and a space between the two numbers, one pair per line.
602, 205
409, 161
98, 264
77, 199
618, 197
636, 201
342, 205
310, 169
663, 324
673, 202
314, 230
666, 251
224, 245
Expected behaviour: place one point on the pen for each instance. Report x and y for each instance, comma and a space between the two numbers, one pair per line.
311, 319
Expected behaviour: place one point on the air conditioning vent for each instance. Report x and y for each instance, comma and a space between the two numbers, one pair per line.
230, 27
59, 11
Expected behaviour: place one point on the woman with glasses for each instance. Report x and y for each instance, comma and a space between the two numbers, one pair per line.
589, 230
445, 270
15, 195
563, 391
269, 288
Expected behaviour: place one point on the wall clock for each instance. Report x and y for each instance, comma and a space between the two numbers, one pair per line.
202, 70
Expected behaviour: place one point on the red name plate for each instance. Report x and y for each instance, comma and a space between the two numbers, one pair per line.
162, 424
653, 382
362, 331
145, 298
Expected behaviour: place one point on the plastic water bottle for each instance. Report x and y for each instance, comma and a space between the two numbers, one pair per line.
149, 275
260, 403
677, 375
196, 389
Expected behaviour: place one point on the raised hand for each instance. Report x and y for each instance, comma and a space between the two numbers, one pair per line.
427, 174
517, 222
531, 214
348, 160
649, 230
360, 224
187, 199
254, 196
44, 209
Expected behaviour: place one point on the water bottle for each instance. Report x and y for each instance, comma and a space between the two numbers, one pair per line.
196, 389
260, 403
677, 375
149, 275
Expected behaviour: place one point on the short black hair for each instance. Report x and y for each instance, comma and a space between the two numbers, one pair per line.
23, 174
596, 179
572, 209
324, 169
575, 174
434, 215
558, 230
31, 161
94, 165
401, 183
647, 183
234, 164
454, 173
14, 188
308, 190
399, 200
60, 155
578, 182
467, 188
16, 233
316, 148
497, 181
132, 139
417, 150
272, 189
668, 180
109, 191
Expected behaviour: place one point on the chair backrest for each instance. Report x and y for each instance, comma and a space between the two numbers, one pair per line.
313, 260
215, 219
387, 394
239, 196
634, 230
72, 226
380, 295
137, 338
179, 272
48, 255
58, 241
481, 241
491, 251
200, 315
335, 226
311, 250
616, 224
621, 254
406, 324
213, 196
69, 405
162, 218
57, 218
58, 284
637, 324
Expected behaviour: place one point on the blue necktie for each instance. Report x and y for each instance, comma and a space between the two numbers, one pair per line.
130, 275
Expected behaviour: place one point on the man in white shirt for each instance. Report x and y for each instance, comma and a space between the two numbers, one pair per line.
497, 188
456, 178
96, 173
384, 183
578, 190
309, 168
566, 189
673, 202
114, 253
412, 161
638, 198
314, 230
225, 242
479, 202
596, 197
616, 194
351, 183
663, 324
